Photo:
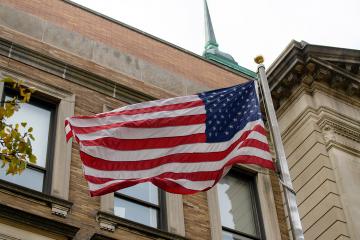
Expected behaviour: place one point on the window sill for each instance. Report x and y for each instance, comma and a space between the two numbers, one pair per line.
58, 206
110, 222
38, 222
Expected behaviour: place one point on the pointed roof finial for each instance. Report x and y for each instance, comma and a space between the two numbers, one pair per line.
212, 51
210, 39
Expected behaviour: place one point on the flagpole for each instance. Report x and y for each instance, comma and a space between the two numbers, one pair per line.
290, 196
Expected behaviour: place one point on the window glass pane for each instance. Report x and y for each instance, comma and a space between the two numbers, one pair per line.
236, 206
143, 191
39, 119
232, 236
29, 178
135, 212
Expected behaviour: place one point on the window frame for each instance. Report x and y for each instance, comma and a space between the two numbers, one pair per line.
249, 177
266, 200
160, 208
52, 107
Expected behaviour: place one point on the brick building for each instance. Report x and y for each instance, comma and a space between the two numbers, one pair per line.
83, 63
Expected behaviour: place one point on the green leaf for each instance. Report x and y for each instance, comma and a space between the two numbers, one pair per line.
30, 129
24, 124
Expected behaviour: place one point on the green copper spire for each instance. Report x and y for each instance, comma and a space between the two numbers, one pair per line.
212, 51
209, 30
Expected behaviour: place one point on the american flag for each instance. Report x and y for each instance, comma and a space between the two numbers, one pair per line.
183, 145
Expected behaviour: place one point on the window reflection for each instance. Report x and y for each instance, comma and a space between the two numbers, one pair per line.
237, 207
143, 191
139, 203
136, 212
29, 178
39, 119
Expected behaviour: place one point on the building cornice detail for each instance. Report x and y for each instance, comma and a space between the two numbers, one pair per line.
73, 74
302, 66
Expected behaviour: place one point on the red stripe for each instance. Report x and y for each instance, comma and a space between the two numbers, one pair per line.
148, 123
173, 187
149, 143
166, 185
101, 164
170, 107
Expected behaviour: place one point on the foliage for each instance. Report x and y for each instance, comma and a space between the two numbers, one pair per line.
15, 139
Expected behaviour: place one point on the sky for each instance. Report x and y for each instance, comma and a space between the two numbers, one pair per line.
243, 29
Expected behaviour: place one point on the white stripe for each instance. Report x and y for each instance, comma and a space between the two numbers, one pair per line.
67, 129
143, 133
147, 154
178, 167
143, 116
158, 103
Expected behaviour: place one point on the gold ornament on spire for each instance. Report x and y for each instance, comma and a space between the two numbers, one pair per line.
259, 59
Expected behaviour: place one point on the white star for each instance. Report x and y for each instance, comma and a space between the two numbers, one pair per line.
214, 128
247, 99
226, 133
222, 116
214, 105
218, 122
224, 104
243, 106
231, 94
228, 99
215, 116
235, 119
221, 95
239, 113
210, 121
231, 126
210, 134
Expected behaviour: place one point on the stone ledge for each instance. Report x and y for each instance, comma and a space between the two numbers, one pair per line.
39, 222
59, 207
110, 222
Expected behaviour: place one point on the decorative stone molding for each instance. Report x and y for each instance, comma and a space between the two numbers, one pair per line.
59, 210
332, 127
308, 64
106, 224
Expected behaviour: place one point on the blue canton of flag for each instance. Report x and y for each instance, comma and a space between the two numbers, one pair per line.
228, 110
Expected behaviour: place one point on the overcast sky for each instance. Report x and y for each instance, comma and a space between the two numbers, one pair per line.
242, 28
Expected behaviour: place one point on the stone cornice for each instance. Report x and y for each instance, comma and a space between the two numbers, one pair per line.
304, 64
73, 74
59, 207
38, 222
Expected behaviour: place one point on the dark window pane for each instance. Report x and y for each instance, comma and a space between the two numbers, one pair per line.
232, 236
38, 118
29, 178
236, 206
144, 191
135, 212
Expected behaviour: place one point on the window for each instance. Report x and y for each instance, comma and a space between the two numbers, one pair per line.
39, 115
239, 209
140, 203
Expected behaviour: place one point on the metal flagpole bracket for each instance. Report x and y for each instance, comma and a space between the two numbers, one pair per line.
285, 180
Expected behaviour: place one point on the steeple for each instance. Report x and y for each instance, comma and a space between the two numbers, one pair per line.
212, 51
210, 40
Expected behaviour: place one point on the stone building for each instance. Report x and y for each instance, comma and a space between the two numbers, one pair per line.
316, 91
83, 63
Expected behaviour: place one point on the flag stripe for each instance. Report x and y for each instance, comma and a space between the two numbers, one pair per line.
141, 133
175, 188
149, 143
101, 164
151, 109
150, 123
116, 155
175, 167
138, 117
